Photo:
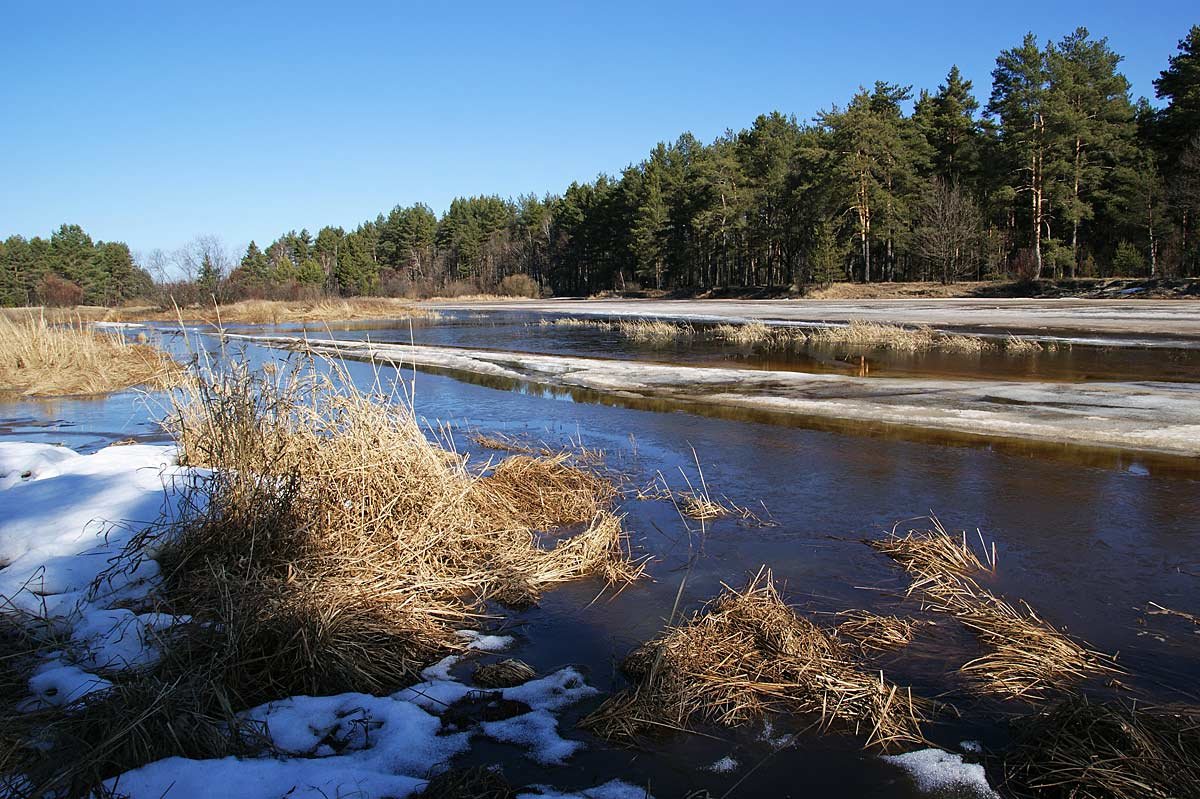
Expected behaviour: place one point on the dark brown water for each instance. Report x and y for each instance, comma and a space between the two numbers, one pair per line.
1087, 544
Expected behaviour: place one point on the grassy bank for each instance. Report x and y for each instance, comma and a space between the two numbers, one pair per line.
38, 358
329, 546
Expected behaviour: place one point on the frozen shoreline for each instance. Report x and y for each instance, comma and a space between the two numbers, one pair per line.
1150, 417
1118, 323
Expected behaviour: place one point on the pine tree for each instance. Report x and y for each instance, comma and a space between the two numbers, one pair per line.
1020, 89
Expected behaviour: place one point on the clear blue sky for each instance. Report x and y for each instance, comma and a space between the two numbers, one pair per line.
152, 122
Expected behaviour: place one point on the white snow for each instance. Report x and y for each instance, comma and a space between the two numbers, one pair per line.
725, 765
59, 684
614, 789
934, 770
66, 518
971, 747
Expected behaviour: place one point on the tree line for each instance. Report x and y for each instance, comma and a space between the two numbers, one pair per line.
1056, 173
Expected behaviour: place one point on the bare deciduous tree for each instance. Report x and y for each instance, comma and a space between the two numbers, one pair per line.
949, 229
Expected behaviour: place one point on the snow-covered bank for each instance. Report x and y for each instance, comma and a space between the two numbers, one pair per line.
65, 521
1152, 417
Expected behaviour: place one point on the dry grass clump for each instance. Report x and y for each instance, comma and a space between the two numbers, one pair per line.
871, 632
1014, 345
476, 782
503, 674
749, 333
1025, 656
543, 492
332, 547
743, 655
41, 359
1087, 750
574, 321
655, 332
863, 334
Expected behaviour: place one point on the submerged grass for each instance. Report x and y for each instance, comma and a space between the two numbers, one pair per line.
38, 358
745, 654
1089, 750
331, 546
1025, 657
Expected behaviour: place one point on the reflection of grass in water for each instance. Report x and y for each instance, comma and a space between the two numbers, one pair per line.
1106, 750
41, 359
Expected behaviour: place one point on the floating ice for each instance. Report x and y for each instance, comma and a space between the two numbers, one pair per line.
725, 765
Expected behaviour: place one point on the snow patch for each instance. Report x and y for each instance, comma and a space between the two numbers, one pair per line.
934, 770
725, 765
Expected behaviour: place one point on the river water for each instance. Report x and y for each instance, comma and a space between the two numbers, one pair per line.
1087, 545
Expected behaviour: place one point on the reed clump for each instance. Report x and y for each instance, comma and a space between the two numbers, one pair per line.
38, 358
1014, 345
1025, 657
748, 333
746, 654
655, 332
1089, 750
575, 322
881, 335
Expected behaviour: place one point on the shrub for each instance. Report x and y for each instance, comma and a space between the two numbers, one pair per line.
519, 286
59, 292
1128, 260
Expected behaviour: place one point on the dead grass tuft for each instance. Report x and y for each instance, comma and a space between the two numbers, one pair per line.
655, 332
574, 321
874, 633
476, 782
1087, 750
749, 333
1025, 657
42, 359
1014, 345
503, 674
743, 655
880, 335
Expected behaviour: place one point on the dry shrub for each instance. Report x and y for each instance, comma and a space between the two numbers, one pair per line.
519, 286
743, 655
859, 333
1087, 750
655, 332
41, 359
1025, 657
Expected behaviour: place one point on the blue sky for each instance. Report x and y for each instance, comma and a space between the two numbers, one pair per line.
153, 122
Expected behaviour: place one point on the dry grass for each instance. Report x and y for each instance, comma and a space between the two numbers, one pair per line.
655, 332
38, 358
1025, 657
749, 333
277, 311
743, 655
1086, 750
503, 674
334, 547
871, 632
575, 322
1021, 346
880, 335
